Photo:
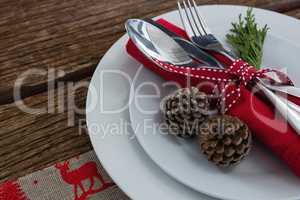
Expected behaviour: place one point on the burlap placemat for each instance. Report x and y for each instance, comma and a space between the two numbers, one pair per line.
79, 178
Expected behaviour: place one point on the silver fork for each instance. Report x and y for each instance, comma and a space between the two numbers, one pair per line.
197, 29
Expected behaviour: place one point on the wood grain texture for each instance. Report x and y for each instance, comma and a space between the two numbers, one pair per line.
294, 13
32, 141
282, 6
72, 35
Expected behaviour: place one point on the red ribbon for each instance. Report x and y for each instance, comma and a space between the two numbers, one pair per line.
228, 80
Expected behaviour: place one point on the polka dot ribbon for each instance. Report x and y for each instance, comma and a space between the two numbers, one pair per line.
228, 81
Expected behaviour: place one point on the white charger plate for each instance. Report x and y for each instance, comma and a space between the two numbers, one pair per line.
121, 155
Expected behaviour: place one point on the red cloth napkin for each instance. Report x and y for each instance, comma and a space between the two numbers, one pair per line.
272, 131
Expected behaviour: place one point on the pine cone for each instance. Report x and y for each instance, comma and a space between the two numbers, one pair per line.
225, 140
185, 110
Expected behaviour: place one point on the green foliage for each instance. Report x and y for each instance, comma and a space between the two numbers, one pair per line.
248, 39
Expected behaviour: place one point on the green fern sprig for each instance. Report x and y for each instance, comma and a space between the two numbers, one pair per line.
248, 39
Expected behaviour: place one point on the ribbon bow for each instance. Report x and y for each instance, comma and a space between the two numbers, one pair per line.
244, 72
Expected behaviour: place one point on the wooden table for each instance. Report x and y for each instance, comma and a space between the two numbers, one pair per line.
68, 37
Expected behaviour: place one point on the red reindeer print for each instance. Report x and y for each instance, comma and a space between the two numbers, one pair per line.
88, 171
11, 190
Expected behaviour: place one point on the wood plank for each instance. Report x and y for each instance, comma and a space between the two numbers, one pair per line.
72, 35
282, 6
294, 13
32, 141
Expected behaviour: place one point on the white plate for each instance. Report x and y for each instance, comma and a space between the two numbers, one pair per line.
122, 156
182, 158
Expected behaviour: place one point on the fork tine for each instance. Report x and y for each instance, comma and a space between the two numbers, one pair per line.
194, 18
201, 19
187, 20
183, 19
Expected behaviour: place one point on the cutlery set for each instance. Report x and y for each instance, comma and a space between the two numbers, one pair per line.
157, 42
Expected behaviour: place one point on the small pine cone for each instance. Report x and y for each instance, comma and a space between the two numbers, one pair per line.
225, 140
185, 111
